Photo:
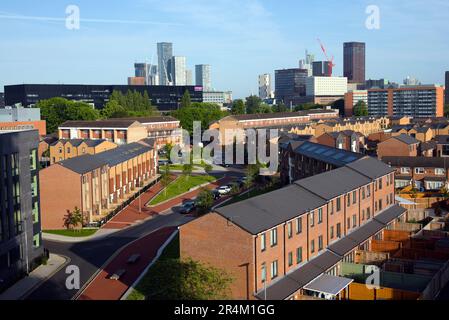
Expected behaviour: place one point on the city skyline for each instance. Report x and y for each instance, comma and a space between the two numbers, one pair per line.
255, 40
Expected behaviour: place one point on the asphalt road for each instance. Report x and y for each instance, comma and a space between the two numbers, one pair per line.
90, 256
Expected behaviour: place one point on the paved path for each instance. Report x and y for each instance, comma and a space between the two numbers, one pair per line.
24, 286
97, 235
103, 288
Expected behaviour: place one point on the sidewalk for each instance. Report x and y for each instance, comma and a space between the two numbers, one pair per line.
103, 288
101, 233
25, 286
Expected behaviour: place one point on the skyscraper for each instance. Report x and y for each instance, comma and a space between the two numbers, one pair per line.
290, 85
354, 62
320, 69
202, 76
164, 56
265, 91
189, 78
178, 71
142, 70
307, 63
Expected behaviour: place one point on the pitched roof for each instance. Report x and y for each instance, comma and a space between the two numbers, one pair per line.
333, 183
78, 142
422, 162
113, 123
145, 120
88, 162
269, 210
442, 139
262, 116
337, 157
370, 167
405, 138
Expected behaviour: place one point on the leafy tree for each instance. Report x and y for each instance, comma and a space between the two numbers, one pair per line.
131, 104
113, 110
165, 177
253, 104
73, 219
204, 201
308, 106
280, 107
187, 280
235, 188
186, 102
446, 109
56, 111
238, 107
360, 109
187, 170
208, 167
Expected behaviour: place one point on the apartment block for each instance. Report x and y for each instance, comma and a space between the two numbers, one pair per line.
425, 173
119, 131
69, 148
352, 98
20, 218
415, 101
280, 245
402, 145
95, 184
326, 90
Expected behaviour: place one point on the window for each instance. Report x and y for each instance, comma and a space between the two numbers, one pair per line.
339, 230
348, 200
332, 232
363, 214
68, 149
263, 239
274, 269
380, 184
290, 259
331, 207
299, 255
289, 230
368, 191
354, 197
320, 243
440, 171
298, 225
263, 276
36, 241
274, 237
338, 204
363, 193
380, 204
60, 150
348, 223
405, 170
368, 213
312, 218
312, 246
320, 215
419, 170
33, 159
354, 221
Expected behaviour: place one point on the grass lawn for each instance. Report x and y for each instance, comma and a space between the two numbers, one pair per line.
73, 233
180, 186
171, 251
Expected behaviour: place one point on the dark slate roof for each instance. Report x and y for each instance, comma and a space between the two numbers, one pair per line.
333, 183
145, 120
442, 139
327, 154
148, 142
412, 162
370, 167
113, 123
405, 138
261, 116
77, 142
429, 145
266, 211
397, 128
87, 163
390, 214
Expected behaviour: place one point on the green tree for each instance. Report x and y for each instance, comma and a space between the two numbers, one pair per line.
446, 109
73, 219
280, 107
360, 109
186, 280
56, 111
253, 104
238, 107
204, 201
186, 102
308, 106
131, 104
187, 170
206, 113
165, 177
113, 109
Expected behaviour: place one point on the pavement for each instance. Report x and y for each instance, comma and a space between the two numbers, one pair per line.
96, 254
26, 285
97, 235
103, 288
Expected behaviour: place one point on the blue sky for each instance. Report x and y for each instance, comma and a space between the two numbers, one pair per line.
239, 38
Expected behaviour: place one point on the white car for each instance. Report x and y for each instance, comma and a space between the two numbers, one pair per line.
224, 189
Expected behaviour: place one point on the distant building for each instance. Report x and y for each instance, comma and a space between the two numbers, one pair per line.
203, 76
11, 114
377, 84
410, 81
165, 98
189, 78
320, 69
2, 100
424, 101
221, 98
447, 87
265, 89
164, 56
352, 98
20, 215
307, 63
354, 61
136, 81
401, 145
64, 149
326, 90
290, 85
178, 71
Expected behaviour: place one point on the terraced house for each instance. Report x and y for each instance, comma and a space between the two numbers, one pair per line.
290, 243
69, 148
95, 184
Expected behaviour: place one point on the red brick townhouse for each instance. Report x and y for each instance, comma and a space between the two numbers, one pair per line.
346, 140
291, 241
402, 145
425, 173
95, 183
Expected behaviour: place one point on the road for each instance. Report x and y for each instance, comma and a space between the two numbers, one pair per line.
90, 256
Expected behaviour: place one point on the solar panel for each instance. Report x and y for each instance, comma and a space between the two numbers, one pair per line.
349, 159
328, 153
338, 156
312, 148
320, 150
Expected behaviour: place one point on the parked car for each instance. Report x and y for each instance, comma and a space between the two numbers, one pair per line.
216, 194
117, 274
187, 207
133, 259
224, 189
